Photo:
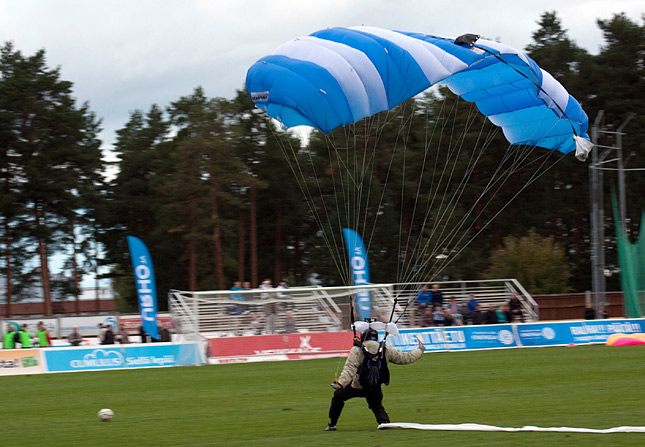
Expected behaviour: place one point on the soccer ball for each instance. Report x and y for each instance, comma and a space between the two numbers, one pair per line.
106, 414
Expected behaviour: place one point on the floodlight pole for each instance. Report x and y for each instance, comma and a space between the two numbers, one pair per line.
597, 228
597, 217
622, 201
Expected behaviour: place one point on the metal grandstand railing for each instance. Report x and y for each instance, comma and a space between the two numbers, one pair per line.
246, 312
489, 293
322, 309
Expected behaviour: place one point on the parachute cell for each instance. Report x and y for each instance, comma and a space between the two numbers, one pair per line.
339, 76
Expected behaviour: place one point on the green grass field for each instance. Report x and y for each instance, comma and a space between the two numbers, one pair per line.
286, 403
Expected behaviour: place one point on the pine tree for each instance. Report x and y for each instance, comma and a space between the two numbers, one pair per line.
53, 154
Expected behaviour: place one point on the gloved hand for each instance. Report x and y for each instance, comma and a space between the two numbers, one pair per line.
423, 348
336, 385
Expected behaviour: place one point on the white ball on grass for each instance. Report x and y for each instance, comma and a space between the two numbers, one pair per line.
106, 414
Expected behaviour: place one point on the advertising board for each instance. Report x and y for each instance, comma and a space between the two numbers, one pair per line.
294, 346
576, 332
454, 338
120, 357
20, 361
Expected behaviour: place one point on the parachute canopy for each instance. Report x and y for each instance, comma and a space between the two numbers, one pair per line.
338, 76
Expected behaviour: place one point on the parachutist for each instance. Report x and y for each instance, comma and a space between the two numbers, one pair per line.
467, 39
365, 372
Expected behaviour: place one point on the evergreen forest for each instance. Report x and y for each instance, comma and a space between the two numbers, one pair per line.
219, 193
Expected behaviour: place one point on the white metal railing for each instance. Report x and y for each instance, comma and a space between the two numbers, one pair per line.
492, 292
323, 309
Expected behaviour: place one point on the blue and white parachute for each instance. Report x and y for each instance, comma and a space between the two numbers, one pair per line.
338, 76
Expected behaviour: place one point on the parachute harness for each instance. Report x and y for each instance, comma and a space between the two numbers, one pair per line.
372, 376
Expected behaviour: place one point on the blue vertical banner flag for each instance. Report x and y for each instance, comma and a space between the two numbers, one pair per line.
144, 277
360, 271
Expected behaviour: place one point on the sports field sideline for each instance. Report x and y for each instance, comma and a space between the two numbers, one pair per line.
286, 403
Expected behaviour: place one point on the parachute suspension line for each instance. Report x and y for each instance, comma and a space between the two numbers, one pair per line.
301, 178
348, 175
341, 206
404, 139
369, 164
534, 177
451, 237
404, 253
447, 208
519, 161
446, 205
427, 146
402, 276
495, 179
369, 233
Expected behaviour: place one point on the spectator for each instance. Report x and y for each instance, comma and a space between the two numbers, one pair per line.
122, 336
289, 323
164, 334
270, 309
42, 334
9, 338
491, 316
101, 333
282, 285
448, 318
74, 338
25, 337
246, 286
236, 309
477, 316
502, 315
602, 312
465, 314
427, 319
423, 299
457, 317
437, 296
266, 285
590, 312
438, 317
271, 315
108, 335
145, 338
472, 304
516, 308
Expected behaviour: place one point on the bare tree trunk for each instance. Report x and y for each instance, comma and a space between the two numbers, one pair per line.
578, 239
217, 238
9, 271
192, 248
298, 257
406, 221
253, 239
240, 247
44, 266
277, 241
98, 290
75, 272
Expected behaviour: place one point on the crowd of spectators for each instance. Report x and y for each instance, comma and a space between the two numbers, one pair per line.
435, 310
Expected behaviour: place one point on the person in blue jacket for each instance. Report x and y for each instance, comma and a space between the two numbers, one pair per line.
423, 301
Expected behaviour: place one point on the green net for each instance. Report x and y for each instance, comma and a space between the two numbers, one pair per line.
631, 260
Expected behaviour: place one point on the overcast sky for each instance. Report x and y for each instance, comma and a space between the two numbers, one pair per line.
124, 55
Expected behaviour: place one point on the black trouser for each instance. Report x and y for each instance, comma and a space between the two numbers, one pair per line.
374, 400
